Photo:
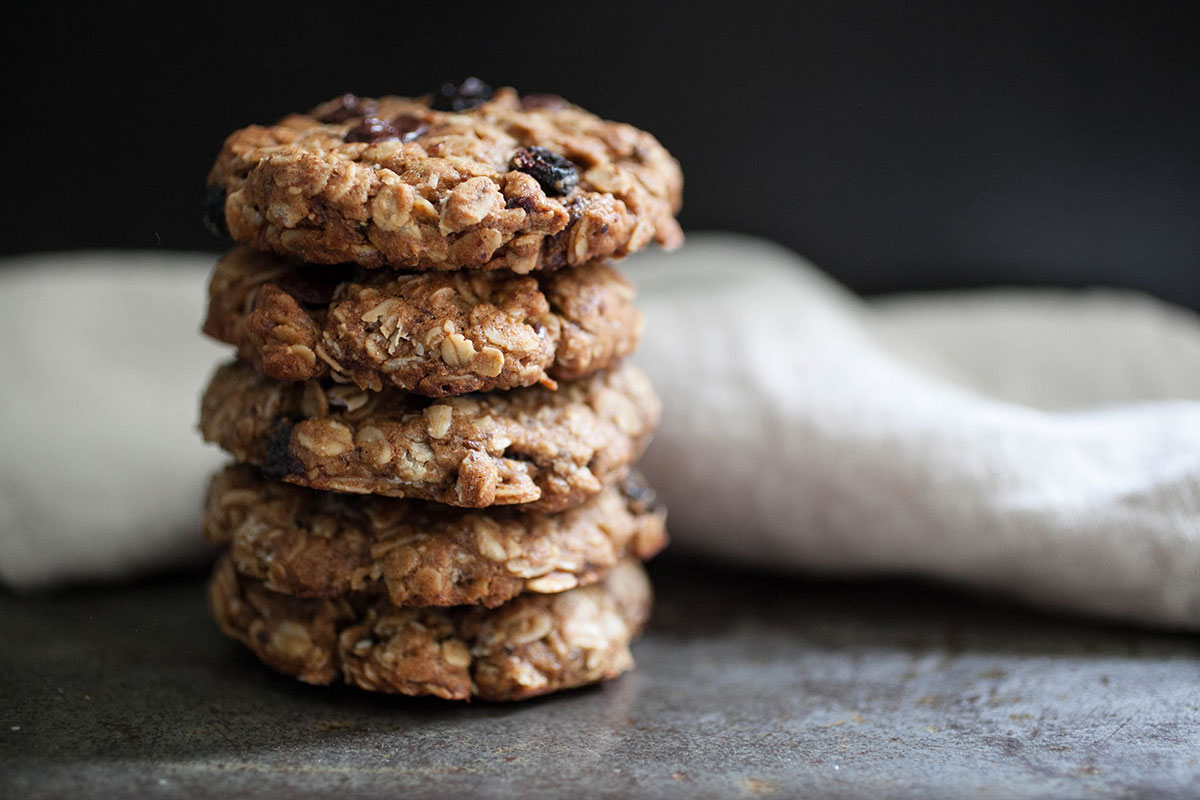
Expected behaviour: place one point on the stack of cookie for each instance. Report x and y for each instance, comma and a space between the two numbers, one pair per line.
433, 422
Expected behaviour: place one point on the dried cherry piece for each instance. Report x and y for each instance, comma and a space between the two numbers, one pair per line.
556, 174
279, 460
526, 204
461, 96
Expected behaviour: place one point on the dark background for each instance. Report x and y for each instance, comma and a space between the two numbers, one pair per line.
899, 145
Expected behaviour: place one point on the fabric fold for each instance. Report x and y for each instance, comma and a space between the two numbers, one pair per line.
1042, 444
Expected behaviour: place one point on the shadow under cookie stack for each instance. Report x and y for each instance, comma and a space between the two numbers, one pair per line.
433, 422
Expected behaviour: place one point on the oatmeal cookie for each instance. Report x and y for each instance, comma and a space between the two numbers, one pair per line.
546, 450
436, 333
478, 181
306, 543
535, 644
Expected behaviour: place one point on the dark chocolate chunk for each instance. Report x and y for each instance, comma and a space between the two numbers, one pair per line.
555, 174
461, 96
213, 211
372, 129
409, 127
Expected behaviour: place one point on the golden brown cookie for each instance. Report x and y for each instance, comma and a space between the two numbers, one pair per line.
320, 544
545, 450
466, 179
435, 333
533, 645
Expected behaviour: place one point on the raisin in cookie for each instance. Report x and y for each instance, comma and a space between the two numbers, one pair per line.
436, 333
546, 450
477, 181
306, 543
533, 645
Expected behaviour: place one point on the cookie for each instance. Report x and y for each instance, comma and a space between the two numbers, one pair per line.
533, 645
543, 449
306, 543
489, 182
436, 333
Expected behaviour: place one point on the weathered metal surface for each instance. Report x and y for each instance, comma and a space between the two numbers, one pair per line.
747, 686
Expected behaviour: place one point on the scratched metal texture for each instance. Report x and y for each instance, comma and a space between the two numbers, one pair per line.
748, 685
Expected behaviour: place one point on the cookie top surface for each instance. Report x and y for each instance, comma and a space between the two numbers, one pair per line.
307, 543
533, 645
542, 449
505, 182
436, 333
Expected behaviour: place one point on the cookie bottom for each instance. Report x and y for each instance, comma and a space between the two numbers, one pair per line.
532, 645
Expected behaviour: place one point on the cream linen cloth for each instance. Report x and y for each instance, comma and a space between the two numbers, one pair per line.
1040, 444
